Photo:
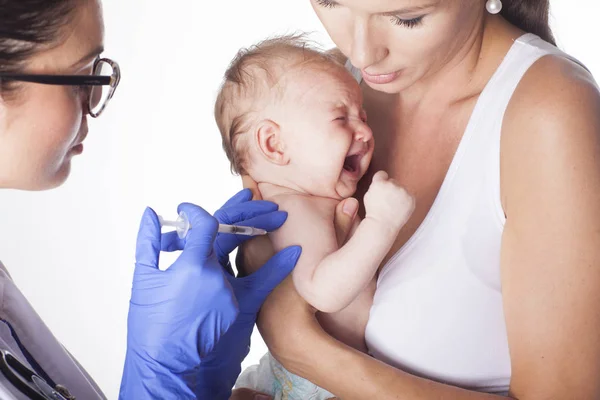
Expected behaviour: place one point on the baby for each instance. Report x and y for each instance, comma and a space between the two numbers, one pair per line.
292, 119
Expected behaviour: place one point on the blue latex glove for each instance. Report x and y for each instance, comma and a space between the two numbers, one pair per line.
239, 210
221, 368
177, 316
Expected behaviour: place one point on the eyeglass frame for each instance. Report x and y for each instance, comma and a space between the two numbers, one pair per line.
76, 80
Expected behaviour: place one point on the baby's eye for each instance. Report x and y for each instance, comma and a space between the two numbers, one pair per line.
341, 118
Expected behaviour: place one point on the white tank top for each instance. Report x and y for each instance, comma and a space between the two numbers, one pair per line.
437, 311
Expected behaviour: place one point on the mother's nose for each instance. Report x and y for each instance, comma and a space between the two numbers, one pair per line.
367, 47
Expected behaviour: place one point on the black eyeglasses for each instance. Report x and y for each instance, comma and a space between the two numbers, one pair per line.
103, 82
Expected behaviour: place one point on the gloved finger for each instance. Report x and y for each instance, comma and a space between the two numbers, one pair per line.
274, 271
269, 222
226, 242
240, 197
201, 236
147, 248
240, 212
170, 241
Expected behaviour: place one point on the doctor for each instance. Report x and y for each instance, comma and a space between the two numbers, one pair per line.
189, 326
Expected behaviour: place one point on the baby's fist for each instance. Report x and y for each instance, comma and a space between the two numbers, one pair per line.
387, 202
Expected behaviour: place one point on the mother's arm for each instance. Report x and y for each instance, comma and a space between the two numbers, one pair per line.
550, 175
302, 346
550, 261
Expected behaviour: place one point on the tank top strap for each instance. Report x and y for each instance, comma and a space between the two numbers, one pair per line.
485, 126
526, 50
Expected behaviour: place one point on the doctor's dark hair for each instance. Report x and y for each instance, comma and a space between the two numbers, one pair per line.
26, 27
530, 16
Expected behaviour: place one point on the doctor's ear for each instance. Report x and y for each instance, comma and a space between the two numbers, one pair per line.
270, 142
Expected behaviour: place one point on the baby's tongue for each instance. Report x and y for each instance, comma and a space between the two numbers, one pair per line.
350, 163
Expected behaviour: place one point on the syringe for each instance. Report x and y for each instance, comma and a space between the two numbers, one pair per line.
182, 226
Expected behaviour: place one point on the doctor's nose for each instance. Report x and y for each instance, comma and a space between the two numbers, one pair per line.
366, 49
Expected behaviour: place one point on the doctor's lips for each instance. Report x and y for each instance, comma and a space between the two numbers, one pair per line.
380, 79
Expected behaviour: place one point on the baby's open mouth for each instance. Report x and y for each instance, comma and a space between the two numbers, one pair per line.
352, 163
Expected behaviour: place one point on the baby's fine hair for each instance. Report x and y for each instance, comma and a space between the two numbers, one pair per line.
252, 76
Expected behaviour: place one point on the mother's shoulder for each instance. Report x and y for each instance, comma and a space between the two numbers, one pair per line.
554, 91
553, 83
552, 119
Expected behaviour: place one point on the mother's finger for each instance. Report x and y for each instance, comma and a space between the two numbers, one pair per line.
345, 215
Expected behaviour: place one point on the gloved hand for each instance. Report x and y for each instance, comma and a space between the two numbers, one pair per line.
220, 369
177, 316
238, 210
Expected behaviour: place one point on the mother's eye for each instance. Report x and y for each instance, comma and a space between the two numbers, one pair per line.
409, 23
326, 3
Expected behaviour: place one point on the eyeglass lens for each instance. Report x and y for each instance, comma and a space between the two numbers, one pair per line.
99, 95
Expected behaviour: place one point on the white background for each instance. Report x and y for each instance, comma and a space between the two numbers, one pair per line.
71, 250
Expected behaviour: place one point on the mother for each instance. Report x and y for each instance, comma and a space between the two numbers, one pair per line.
494, 284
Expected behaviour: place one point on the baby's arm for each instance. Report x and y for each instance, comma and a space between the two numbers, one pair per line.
309, 225
329, 278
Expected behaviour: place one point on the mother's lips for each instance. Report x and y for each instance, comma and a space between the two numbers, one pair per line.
379, 79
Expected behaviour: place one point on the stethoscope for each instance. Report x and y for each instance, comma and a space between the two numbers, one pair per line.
28, 382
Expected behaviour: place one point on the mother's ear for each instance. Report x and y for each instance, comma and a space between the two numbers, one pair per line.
270, 142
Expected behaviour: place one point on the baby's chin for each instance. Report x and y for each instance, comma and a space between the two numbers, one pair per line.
345, 189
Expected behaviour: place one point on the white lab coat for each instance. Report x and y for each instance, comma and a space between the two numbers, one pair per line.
37, 339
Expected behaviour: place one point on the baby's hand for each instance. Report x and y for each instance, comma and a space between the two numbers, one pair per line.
387, 202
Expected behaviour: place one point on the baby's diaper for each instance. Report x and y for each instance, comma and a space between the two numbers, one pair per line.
271, 378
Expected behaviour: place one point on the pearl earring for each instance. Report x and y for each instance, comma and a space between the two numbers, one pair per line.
494, 6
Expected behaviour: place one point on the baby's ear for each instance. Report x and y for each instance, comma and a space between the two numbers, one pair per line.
270, 142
